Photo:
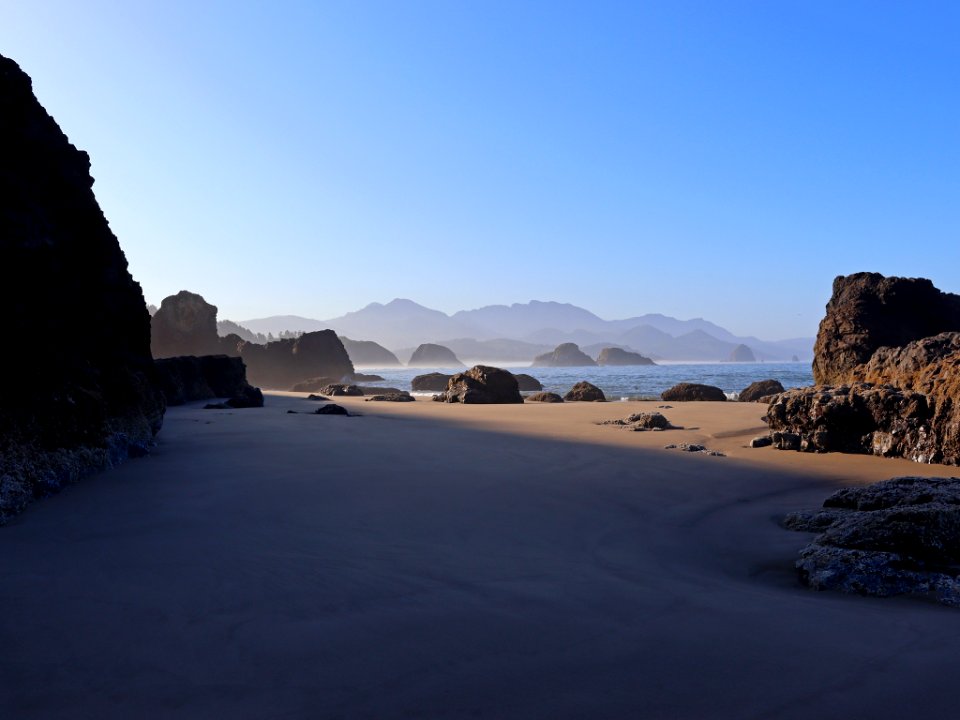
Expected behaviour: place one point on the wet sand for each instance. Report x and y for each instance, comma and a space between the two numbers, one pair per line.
443, 561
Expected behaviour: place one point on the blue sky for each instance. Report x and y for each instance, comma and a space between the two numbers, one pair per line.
714, 159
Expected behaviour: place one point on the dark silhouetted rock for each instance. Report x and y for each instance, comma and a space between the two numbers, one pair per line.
431, 382
756, 391
285, 363
341, 391
564, 355
314, 384
527, 383
364, 377
187, 378
642, 421
318, 398
741, 353
761, 441
369, 354
185, 324
331, 409
546, 397
392, 397
79, 392
430, 355
380, 390
585, 392
619, 356
482, 384
868, 311
687, 392
897, 537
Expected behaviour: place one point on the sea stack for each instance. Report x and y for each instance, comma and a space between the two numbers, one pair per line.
431, 355
564, 355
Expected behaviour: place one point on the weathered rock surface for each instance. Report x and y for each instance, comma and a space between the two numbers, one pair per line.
186, 324
368, 353
430, 355
742, 353
482, 384
858, 418
77, 396
585, 392
619, 356
527, 383
547, 397
897, 537
642, 421
340, 390
284, 364
756, 391
392, 397
868, 311
685, 392
187, 378
431, 382
564, 355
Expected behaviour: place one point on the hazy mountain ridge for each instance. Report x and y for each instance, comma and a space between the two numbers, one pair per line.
511, 332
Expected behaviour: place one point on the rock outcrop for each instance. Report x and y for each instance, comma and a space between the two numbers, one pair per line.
545, 397
340, 390
284, 363
868, 311
482, 384
686, 392
188, 378
78, 396
619, 356
741, 353
760, 389
392, 397
314, 384
897, 537
564, 355
527, 383
368, 353
186, 324
585, 392
431, 382
430, 355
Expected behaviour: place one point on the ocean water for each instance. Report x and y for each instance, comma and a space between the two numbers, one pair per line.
634, 381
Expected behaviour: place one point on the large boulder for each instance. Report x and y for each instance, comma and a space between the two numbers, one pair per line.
741, 353
79, 382
527, 383
430, 355
431, 382
619, 356
482, 384
760, 389
897, 537
584, 391
685, 392
545, 397
187, 378
868, 311
564, 355
285, 363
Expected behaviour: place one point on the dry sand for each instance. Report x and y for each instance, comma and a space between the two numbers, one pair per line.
446, 561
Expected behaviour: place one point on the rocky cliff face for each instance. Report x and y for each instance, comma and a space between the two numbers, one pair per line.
868, 311
77, 396
282, 364
186, 324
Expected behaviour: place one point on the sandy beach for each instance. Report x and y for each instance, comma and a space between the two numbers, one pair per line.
428, 560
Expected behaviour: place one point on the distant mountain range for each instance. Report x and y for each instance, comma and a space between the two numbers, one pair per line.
515, 333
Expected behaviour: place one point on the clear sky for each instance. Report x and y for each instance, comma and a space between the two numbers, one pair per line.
715, 159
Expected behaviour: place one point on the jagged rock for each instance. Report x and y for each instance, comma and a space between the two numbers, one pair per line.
285, 363
585, 392
741, 353
868, 311
187, 378
642, 421
314, 384
860, 418
331, 409
392, 397
756, 391
686, 392
547, 397
341, 390
482, 384
430, 355
186, 324
79, 383
564, 355
368, 353
619, 356
897, 537
527, 383
431, 382
761, 441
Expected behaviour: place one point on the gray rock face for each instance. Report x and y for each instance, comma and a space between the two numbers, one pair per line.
546, 397
585, 392
760, 389
79, 389
564, 355
686, 392
430, 355
898, 537
619, 356
431, 382
482, 384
